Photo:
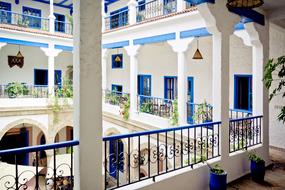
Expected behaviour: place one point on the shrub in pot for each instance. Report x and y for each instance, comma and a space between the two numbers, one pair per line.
257, 167
16, 89
218, 178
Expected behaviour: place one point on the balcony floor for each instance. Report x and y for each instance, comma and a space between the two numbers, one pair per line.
274, 179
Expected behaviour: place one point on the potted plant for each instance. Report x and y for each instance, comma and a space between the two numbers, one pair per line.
218, 178
203, 113
16, 89
257, 167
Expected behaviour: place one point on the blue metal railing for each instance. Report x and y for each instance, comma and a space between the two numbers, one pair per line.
117, 20
155, 8
58, 176
156, 106
115, 97
237, 113
245, 132
135, 157
23, 20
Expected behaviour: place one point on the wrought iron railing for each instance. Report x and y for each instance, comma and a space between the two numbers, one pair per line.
245, 132
155, 106
139, 156
58, 175
115, 98
20, 90
63, 27
155, 8
199, 113
117, 20
236, 113
23, 20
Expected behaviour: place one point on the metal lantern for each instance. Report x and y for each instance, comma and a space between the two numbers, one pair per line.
197, 54
118, 59
244, 3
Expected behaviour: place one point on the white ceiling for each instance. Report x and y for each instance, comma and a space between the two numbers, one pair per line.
276, 11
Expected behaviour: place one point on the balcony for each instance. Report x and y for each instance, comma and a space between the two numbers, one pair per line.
33, 22
20, 90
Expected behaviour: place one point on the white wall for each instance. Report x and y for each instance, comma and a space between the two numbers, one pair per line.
277, 128
34, 58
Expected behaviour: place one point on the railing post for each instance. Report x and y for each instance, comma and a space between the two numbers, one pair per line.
132, 6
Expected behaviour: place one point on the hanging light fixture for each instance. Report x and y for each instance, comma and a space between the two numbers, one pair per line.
244, 3
118, 58
197, 54
19, 54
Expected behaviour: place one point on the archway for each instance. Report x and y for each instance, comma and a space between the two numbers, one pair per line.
64, 134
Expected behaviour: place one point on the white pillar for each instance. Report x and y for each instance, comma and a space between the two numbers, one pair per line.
104, 69
51, 17
103, 16
180, 46
88, 86
180, 5
132, 6
51, 53
132, 51
2, 45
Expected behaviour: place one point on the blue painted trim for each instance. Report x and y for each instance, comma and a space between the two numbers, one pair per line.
64, 48
239, 26
141, 78
155, 39
242, 111
23, 43
39, 147
165, 88
62, 2
46, 77
55, 4
116, 137
198, 2
116, 44
236, 76
17, 2
113, 57
199, 32
115, 86
246, 118
250, 14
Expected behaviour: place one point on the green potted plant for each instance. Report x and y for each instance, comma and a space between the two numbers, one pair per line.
175, 115
125, 108
257, 167
203, 113
16, 89
218, 178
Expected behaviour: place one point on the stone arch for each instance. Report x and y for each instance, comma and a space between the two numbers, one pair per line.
21, 121
60, 127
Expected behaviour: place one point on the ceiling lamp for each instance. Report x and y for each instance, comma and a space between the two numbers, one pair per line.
244, 3
197, 54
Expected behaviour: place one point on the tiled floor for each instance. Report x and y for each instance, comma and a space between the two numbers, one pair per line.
274, 178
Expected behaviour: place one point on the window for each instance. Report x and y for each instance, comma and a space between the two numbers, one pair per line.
5, 14
170, 88
117, 88
243, 92
59, 23
144, 85
190, 99
119, 18
141, 5
33, 20
117, 61
41, 77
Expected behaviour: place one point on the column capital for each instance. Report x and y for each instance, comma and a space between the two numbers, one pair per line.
132, 50
2, 45
51, 52
180, 45
132, 3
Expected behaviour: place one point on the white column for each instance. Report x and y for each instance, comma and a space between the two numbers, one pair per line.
51, 53
2, 45
132, 51
132, 5
104, 69
51, 17
180, 5
180, 46
103, 16
87, 89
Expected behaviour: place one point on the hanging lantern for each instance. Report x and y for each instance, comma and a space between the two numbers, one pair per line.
19, 54
17, 60
197, 54
244, 3
118, 59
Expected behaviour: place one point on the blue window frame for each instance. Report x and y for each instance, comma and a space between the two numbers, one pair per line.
144, 85
243, 92
5, 14
141, 5
59, 23
117, 64
117, 88
170, 87
119, 18
41, 77
190, 99
33, 18
116, 152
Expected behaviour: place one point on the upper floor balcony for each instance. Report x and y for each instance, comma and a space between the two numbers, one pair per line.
143, 11
26, 20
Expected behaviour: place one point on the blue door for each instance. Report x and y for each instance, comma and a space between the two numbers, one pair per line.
59, 23
170, 87
144, 85
5, 14
190, 100
243, 92
116, 157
